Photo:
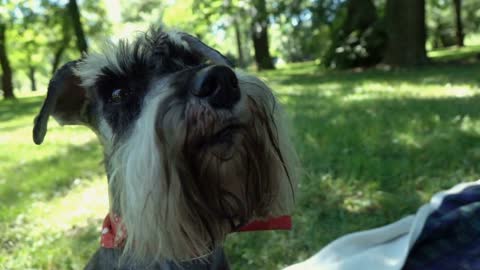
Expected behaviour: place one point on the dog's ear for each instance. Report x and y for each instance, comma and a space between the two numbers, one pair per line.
203, 49
65, 101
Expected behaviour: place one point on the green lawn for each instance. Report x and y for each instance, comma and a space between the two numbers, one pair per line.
453, 53
374, 145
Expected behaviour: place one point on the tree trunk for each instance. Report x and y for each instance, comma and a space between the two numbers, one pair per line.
31, 76
457, 4
259, 32
7, 85
238, 37
63, 43
361, 14
405, 22
77, 26
358, 39
57, 57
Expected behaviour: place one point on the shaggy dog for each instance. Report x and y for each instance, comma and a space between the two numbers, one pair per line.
193, 148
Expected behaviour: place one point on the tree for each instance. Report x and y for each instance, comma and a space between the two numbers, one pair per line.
405, 24
62, 45
238, 39
457, 5
233, 17
259, 34
44, 38
358, 36
34, 46
300, 30
61, 31
7, 85
77, 26
238, 15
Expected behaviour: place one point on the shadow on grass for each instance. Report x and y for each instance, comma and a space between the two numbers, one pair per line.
319, 219
9, 109
81, 245
45, 178
14, 127
69, 249
430, 75
366, 163
456, 55
385, 139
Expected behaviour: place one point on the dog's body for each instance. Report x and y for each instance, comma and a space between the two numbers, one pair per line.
107, 259
193, 149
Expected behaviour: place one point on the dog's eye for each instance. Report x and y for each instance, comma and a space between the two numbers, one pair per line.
116, 96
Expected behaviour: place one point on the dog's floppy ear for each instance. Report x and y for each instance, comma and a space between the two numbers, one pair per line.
203, 49
65, 101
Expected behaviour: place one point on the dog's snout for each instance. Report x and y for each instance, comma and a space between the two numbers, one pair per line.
217, 84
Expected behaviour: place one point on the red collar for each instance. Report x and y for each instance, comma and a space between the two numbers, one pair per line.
113, 238
110, 237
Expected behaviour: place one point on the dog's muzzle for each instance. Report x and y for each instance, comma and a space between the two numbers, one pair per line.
218, 85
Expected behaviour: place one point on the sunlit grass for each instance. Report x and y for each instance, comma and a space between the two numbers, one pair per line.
374, 145
455, 53
51, 233
51, 196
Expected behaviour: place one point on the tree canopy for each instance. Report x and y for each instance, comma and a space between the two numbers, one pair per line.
37, 36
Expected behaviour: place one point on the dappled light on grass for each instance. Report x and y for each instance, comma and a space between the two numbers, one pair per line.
52, 197
30, 177
48, 228
374, 146
454, 53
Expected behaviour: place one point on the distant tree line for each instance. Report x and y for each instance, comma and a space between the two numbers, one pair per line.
395, 32
36, 39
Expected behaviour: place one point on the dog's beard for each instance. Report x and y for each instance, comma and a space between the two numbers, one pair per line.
179, 196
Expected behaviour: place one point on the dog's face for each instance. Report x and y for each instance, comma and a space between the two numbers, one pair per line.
193, 148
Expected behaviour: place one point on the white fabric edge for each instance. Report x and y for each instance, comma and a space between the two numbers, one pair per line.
370, 248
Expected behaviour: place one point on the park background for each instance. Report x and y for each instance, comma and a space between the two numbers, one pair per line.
383, 96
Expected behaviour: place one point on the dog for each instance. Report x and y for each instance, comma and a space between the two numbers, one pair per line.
193, 148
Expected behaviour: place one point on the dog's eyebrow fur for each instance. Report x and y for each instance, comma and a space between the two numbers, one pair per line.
156, 50
131, 66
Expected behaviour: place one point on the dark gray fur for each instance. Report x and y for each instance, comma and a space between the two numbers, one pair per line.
107, 259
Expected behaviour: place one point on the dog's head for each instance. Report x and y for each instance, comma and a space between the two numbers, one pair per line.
193, 148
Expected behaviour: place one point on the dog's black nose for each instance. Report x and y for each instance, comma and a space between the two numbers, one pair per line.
217, 84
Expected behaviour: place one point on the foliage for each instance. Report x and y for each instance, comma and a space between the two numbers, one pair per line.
358, 36
441, 23
299, 34
41, 35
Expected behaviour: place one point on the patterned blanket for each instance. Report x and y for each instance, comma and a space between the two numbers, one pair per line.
450, 238
443, 235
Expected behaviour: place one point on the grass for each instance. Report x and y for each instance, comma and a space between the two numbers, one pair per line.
52, 197
374, 146
454, 53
